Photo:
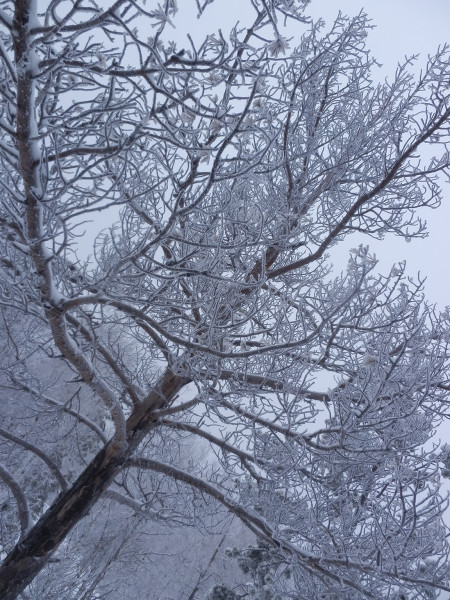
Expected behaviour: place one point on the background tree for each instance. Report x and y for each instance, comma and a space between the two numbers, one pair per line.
224, 172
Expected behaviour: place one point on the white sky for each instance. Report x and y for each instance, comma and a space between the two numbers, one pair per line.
406, 27
403, 28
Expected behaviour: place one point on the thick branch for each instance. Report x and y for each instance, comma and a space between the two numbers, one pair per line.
309, 560
22, 504
339, 228
38, 452
27, 558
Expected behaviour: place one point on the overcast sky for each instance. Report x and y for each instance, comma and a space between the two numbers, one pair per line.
406, 27
402, 28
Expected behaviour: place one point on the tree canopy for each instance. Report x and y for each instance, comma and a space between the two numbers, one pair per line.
223, 174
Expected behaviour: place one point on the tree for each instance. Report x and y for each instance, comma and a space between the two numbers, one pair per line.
264, 565
225, 172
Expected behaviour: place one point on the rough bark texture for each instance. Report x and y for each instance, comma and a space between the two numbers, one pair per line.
33, 551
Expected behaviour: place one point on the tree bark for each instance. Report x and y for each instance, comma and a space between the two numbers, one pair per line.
34, 549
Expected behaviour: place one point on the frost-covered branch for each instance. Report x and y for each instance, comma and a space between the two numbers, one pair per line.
38, 452
23, 510
196, 331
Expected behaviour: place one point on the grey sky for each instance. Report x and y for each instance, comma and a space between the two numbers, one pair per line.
402, 28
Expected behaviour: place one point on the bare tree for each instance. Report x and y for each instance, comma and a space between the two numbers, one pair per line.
224, 172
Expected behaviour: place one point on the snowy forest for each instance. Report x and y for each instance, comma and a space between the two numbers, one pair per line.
195, 403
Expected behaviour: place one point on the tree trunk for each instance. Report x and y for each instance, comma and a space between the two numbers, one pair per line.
32, 552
